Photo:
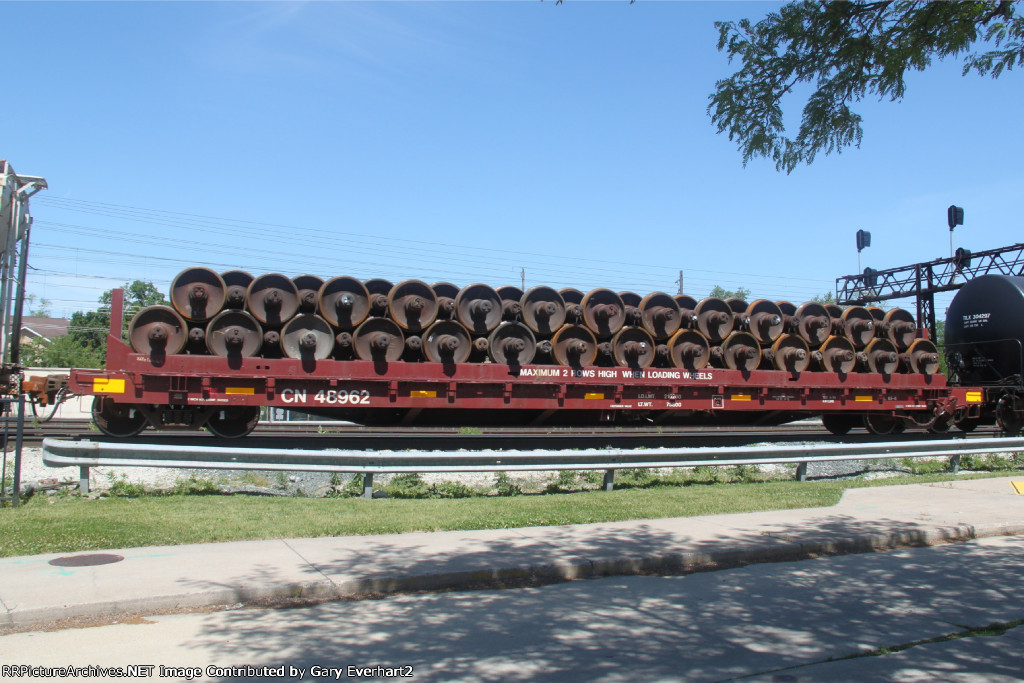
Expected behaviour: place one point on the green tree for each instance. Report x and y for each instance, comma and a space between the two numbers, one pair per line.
61, 352
826, 298
87, 330
721, 293
846, 51
38, 307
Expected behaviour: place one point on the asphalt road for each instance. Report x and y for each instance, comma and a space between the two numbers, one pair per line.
812, 620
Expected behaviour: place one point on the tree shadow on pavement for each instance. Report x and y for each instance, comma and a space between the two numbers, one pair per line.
719, 625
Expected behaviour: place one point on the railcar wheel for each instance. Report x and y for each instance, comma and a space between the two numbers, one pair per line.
687, 311
858, 326
813, 323
511, 308
689, 349
198, 293
900, 328
1008, 418
573, 299
380, 339
883, 425
308, 287
272, 299
741, 351
157, 330
969, 424
835, 355
234, 333
791, 353
574, 345
478, 308
633, 347
120, 420
604, 313
307, 336
542, 309
921, 357
233, 422
378, 289
714, 319
344, 302
631, 302
447, 341
660, 315
512, 344
237, 283
766, 321
839, 424
413, 305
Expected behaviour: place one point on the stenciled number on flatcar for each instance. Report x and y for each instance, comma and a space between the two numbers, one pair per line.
341, 397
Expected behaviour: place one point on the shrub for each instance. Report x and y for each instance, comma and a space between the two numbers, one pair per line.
124, 488
635, 477
406, 485
451, 489
195, 486
566, 482
744, 473
505, 486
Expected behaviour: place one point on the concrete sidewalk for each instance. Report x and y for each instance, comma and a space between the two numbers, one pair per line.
33, 591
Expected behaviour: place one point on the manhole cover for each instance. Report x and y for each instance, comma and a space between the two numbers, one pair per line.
86, 560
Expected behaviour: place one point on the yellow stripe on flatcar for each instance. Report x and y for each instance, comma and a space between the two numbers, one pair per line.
974, 397
108, 385
863, 399
740, 397
248, 391
423, 394
597, 396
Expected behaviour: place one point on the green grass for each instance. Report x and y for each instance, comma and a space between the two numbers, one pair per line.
68, 523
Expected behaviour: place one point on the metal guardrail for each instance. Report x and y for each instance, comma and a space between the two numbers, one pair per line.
86, 454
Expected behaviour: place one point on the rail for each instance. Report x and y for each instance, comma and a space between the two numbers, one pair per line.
86, 454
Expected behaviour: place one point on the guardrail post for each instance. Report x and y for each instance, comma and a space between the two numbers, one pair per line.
83, 479
801, 471
954, 464
367, 485
609, 480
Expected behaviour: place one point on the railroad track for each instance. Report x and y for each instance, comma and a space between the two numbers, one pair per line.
353, 437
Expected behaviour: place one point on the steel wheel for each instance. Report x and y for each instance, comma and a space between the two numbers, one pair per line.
689, 349
839, 424
883, 425
120, 420
272, 299
344, 302
307, 336
198, 293
237, 283
633, 347
234, 333
714, 319
379, 339
234, 421
157, 330
308, 287
413, 305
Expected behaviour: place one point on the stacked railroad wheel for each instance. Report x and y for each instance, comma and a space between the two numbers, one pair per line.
272, 316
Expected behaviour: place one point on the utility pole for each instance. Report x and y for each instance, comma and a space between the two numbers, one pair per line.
522, 277
680, 282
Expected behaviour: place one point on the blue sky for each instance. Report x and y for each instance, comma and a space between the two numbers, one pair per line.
467, 142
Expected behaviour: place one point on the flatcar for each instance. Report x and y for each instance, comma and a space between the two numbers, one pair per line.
378, 353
